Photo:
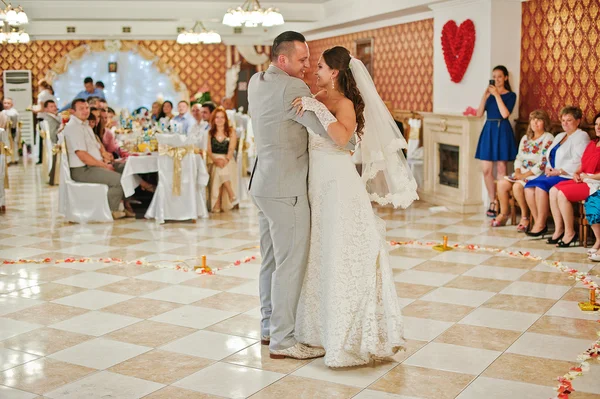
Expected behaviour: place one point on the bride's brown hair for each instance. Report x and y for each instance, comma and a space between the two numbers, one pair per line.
339, 58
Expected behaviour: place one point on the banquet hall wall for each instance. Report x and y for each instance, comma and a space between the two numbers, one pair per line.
560, 56
403, 62
198, 66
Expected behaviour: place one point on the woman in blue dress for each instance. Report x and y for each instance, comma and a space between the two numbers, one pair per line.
497, 140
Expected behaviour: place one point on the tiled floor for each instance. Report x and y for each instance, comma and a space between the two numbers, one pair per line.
478, 325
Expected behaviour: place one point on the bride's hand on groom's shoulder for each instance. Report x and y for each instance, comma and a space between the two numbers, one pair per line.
297, 103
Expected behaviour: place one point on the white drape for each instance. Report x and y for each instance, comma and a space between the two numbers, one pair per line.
137, 82
249, 53
231, 80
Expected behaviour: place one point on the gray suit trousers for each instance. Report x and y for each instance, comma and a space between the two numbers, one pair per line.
284, 241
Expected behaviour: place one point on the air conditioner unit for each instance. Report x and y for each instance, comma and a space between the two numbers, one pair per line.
17, 85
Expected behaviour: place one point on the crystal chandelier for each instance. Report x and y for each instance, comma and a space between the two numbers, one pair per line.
11, 21
251, 15
193, 37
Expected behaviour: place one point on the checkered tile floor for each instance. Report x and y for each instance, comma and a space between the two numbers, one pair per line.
477, 325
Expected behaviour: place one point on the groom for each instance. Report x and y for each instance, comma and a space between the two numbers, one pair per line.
279, 190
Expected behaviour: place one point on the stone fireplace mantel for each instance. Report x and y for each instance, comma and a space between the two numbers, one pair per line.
452, 131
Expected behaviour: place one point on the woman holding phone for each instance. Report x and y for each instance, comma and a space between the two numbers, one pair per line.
497, 140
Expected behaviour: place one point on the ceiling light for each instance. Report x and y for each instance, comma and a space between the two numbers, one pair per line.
251, 14
204, 36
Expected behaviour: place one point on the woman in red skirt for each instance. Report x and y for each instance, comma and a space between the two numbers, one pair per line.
578, 189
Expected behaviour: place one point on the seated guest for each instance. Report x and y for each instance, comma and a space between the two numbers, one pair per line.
563, 160
592, 204
586, 180
89, 91
207, 109
12, 114
166, 113
95, 111
50, 115
111, 121
85, 158
530, 163
184, 118
156, 109
198, 130
100, 87
227, 103
93, 102
54, 121
102, 104
223, 171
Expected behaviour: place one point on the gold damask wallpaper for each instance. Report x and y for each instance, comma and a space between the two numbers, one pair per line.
403, 62
198, 66
560, 53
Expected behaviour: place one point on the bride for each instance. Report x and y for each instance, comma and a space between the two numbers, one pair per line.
348, 303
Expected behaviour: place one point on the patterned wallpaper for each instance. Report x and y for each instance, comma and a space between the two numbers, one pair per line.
560, 53
198, 66
403, 62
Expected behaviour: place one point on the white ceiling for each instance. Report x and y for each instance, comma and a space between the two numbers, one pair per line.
152, 19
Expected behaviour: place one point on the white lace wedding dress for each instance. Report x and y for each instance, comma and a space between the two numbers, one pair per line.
348, 304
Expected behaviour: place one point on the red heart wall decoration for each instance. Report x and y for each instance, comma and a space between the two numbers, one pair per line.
458, 43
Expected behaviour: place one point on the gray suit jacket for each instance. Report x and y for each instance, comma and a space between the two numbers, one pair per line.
281, 138
53, 125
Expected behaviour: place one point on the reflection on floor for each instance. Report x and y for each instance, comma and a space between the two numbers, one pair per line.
477, 325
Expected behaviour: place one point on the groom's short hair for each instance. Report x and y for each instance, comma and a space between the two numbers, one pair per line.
284, 43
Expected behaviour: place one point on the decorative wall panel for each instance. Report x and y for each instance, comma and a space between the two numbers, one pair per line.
403, 62
560, 53
200, 67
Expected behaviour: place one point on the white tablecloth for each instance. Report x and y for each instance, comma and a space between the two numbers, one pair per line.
148, 164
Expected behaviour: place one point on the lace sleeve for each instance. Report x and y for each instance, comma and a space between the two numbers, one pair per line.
325, 117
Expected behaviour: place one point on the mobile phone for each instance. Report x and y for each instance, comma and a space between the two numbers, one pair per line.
492, 82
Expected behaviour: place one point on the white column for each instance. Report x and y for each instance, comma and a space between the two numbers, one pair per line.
498, 42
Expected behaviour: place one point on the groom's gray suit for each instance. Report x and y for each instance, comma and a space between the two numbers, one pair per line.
279, 189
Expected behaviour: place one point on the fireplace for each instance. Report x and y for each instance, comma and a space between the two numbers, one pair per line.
452, 175
449, 164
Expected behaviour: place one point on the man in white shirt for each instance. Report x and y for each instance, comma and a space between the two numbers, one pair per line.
85, 158
199, 128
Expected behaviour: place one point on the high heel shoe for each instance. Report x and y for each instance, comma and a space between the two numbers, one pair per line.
562, 244
540, 233
553, 241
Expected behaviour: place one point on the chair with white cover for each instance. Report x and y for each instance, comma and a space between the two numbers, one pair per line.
3, 161
176, 195
81, 202
47, 154
13, 143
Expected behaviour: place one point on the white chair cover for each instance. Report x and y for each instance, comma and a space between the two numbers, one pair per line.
81, 202
13, 143
3, 160
35, 149
414, 157
165, 205
47, 154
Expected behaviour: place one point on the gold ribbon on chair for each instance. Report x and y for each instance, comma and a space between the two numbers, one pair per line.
177, 153
7, 152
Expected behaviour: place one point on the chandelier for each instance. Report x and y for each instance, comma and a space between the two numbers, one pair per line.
11, 20
193, 37
251, 15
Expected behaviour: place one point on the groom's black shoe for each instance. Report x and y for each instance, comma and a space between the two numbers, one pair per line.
265, 340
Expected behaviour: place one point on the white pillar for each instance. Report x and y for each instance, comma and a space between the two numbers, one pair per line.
498, 42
